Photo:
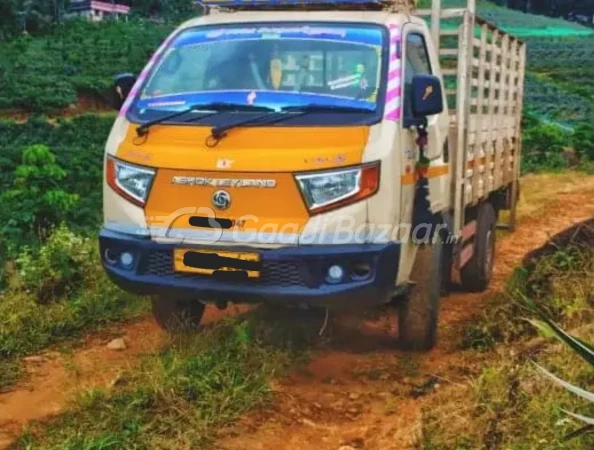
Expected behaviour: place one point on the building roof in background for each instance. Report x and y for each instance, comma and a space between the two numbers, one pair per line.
83, 5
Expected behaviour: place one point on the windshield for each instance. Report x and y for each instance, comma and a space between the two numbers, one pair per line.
272, 65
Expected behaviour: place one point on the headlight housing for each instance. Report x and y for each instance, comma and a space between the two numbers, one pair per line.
130, 181
332, 189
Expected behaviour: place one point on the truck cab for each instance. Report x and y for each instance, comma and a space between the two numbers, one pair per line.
295, 153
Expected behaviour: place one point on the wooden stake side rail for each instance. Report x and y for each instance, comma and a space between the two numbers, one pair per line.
486, 103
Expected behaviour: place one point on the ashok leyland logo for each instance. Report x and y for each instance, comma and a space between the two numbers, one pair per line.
221, 199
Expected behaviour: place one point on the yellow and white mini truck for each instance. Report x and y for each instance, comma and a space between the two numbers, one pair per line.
318, 153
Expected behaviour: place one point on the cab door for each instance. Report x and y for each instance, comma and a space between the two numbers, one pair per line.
419, 58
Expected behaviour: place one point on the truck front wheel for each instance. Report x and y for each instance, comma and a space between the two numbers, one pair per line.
419, 313
177, 314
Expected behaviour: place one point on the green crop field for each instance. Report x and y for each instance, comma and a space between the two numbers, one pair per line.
530, 25
49, 72
560, 62
569, 54
552, 102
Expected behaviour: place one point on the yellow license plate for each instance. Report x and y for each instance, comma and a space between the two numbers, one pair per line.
224, 261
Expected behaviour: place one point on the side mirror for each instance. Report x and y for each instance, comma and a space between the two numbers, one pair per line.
427, 96
123, 84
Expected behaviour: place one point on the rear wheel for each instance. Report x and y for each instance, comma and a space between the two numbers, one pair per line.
177, 314
477, 273
419, 313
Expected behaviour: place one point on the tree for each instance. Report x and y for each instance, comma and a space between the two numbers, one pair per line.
164, 8
18, 16
36, 203
8, 18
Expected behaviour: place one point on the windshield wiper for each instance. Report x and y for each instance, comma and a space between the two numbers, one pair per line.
220, 132
316, 107
212, 108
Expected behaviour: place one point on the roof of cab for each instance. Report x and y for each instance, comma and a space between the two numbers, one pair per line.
379, 17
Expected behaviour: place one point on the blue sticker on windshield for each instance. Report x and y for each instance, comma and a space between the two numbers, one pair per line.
165, 104
363, 35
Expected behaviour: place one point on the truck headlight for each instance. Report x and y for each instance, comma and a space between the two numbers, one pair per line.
336, 188
130, 181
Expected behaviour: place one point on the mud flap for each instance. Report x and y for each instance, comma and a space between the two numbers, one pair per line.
425, 219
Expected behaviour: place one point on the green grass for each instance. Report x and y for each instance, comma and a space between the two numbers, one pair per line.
560, 282
509, 405
85, 301
28, 327
11, 370
180, 397
505, 403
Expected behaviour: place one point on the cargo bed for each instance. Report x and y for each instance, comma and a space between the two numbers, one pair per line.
483, 69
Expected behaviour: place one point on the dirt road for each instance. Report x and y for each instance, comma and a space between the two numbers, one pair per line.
368, 396
358, 391
54, 378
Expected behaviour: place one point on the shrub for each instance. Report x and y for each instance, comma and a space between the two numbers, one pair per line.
57, 267
529, 119
544, 145
560, 283
77, 144
56, 292
583, 140
36, 203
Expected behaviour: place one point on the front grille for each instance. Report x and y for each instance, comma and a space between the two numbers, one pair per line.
160, 263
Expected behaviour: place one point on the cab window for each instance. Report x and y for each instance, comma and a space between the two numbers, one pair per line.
272, 65
417, 63
335, 68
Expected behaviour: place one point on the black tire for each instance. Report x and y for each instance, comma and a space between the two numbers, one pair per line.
419, 312
477, 273
177, 314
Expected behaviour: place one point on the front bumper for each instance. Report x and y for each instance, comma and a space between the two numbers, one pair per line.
290, 275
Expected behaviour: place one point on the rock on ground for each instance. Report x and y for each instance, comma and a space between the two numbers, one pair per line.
117, 344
